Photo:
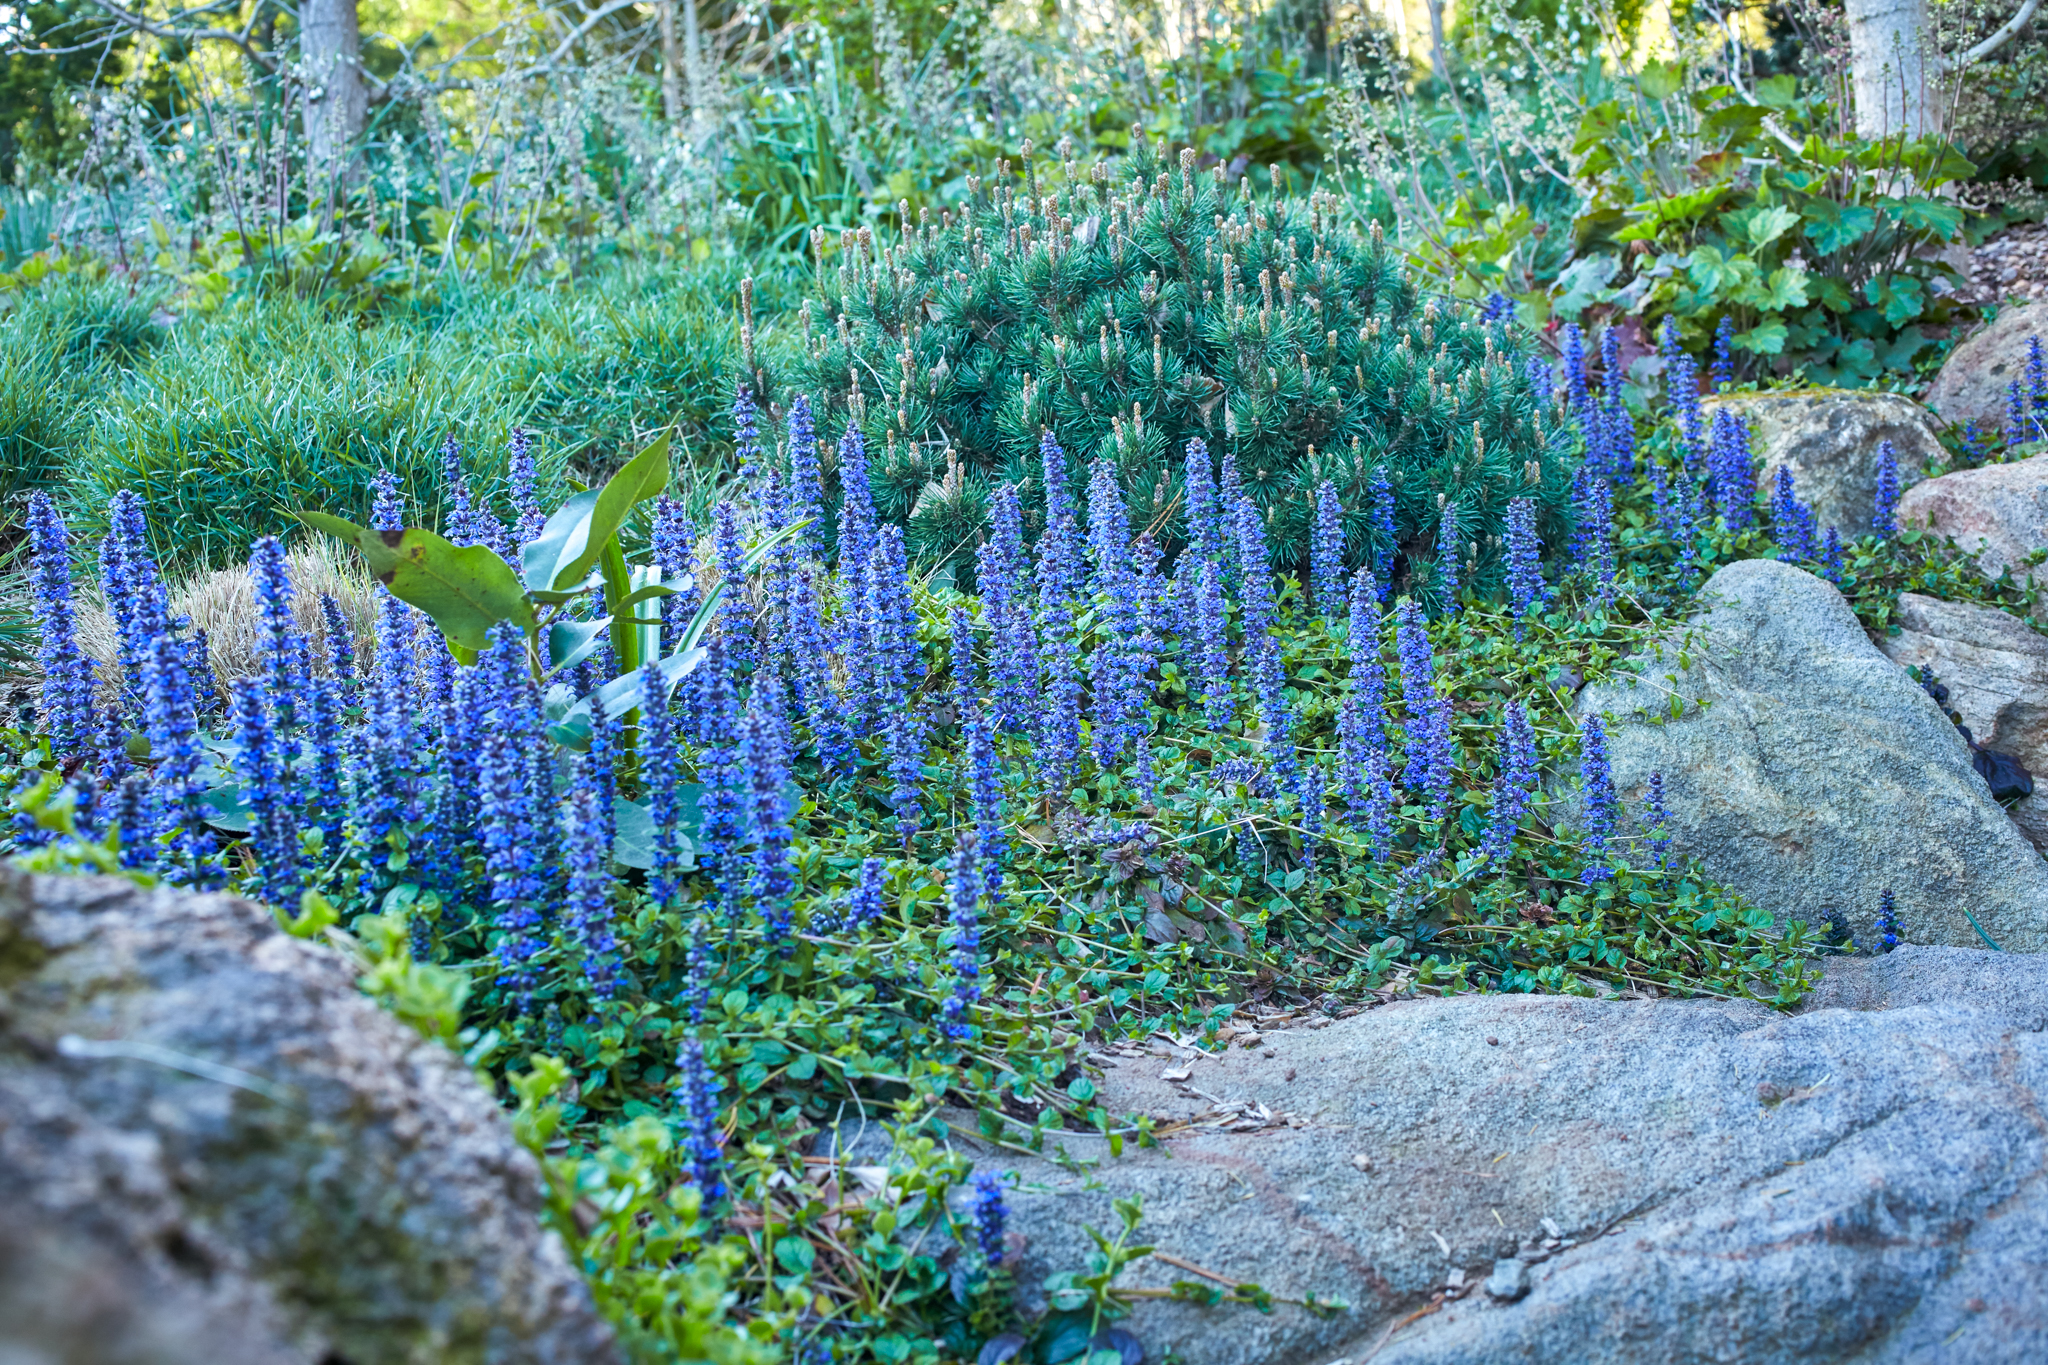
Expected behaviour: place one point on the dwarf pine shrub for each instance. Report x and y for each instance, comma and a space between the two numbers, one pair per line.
1137, 307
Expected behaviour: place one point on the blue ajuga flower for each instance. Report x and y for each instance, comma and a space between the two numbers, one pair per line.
587, 906
180, 795
1657, 822
1731, 470
1832, 567
286, 658
1723, 372
746, 436
1598, 783
866, 902
1362, 771
1384, 538
697, 1092
1791, 521
1430, 763
524, 482
262, 765
1525, 562
856, 507
1885, 933
1578, 397
458, 518
906, 737
823, 707
130, 820
384, 793
1976, 450
131, 584
2037, 376
674, 551
326, 752
1617, 430
963, 881
806, 488
966, 693
1212, 665
1682, 384
1886, 520
1119, 613
1446, 568
764, 754
893, 651
660, 783
735, 613
989, 1216
387, 505
67, 675
1541, 378
722, 806
985, 785
1058, 749
1592, 542
1326, 552
1261, 649
1514, 786
508, 814
1013, 644
1497, 307
341, 643
1229, 493
1198, 513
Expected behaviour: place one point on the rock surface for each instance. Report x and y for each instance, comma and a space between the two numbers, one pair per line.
1998, 513
346, 1191
1828, 438
1973, 380
1994, 665
1682, 1181
1810, 773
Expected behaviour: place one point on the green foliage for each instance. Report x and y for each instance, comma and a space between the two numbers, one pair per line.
1129, 314
1819, 248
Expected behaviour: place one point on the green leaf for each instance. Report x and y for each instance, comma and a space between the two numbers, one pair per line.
465, 589
571, 642
795, 1255
1776, 92
753, 1076
1785, 289
1661, 80
560, 542
1831, 226
644, 476
1933, 216
1766, 338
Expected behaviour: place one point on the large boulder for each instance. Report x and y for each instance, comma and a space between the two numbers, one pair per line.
1998, 513
1829, 439
1517, 1178
1994, 665
215, 1150
1974, 379
1810, 773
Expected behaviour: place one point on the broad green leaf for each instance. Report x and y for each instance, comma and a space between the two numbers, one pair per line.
465, 589
1931, 215
633, 844
1661, 80
1768, 224
1777, 92
645, 476
1766, 338
571, 642
1831, 226
560, 543
1786, 289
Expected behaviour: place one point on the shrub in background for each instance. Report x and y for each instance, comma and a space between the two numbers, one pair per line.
1142, 305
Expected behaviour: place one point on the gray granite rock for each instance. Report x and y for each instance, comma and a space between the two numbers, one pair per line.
1972, 384
1998, 514
1994, 665
1811, 773
215, 1150
1829, 439
1683, 1180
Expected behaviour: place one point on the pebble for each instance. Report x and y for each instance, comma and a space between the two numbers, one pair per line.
2010, 266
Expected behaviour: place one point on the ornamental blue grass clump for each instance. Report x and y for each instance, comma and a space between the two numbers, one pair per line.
1526, 594
1326, 551
963, 884
697, 1092
1657, 823
1885, 934
67, 674
1597, 781
989, 1217
1886, 520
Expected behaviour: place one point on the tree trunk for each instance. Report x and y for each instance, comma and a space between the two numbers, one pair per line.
1439, 63
337, 102
671, 65
1889, 67
693, 68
